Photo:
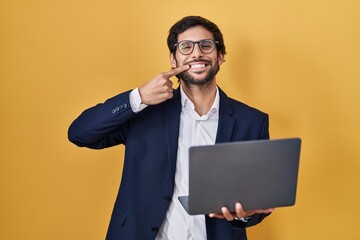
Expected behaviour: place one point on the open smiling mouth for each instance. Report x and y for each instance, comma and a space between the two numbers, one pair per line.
199, 66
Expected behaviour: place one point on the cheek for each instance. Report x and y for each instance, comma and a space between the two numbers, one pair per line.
180, 61
174, 61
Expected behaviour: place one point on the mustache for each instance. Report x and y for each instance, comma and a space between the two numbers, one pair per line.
197, 60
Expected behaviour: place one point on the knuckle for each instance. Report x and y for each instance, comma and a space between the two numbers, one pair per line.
169, 94
160, 78
164, 89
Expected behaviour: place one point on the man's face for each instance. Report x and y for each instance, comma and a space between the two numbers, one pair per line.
204, 66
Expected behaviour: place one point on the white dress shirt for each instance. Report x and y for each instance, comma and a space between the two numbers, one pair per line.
194, 130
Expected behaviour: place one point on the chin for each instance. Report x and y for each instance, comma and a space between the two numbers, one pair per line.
197, 82
190, 79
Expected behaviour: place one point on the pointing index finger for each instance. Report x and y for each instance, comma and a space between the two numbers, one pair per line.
176, 71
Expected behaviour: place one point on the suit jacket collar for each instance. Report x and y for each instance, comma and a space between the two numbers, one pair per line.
226, 119
172, 123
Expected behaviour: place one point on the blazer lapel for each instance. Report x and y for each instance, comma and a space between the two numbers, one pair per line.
172, 122
226, 119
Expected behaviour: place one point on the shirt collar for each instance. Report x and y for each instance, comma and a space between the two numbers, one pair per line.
186, 101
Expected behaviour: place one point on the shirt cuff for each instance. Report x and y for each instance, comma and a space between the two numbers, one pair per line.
135, 101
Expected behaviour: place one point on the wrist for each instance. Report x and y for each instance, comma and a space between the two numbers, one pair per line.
136, 101
243, 219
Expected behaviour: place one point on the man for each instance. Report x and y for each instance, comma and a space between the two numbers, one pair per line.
158, 125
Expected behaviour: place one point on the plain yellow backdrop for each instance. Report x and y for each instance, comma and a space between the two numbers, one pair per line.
297, 60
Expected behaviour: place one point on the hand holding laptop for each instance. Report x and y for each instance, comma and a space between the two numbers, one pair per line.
240, 213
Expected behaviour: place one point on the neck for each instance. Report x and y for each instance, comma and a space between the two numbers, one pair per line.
202, 96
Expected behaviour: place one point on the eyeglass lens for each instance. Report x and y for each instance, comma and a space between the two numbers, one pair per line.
187, 47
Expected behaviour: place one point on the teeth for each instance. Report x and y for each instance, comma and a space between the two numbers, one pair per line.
198, 66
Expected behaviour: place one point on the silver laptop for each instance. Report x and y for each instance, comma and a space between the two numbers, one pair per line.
258, 174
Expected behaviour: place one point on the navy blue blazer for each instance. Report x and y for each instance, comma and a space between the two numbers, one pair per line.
151, 140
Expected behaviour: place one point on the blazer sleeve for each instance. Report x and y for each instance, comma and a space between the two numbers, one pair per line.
103, 125
254, 220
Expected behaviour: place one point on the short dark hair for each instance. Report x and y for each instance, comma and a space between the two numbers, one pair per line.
192, 21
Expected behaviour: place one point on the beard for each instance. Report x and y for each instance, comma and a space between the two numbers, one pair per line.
188, 79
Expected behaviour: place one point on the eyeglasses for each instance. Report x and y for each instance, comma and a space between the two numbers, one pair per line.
187, 47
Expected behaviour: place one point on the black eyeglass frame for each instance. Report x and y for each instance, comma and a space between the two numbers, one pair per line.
176, 45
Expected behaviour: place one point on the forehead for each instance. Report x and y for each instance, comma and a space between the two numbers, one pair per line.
196, 33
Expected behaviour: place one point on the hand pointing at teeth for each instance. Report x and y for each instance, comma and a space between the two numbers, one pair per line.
159, 89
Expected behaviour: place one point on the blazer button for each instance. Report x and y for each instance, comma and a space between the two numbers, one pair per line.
155, 229
125, 105
167, 199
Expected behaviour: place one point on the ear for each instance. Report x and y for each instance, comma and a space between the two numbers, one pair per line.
220, 58
172, 60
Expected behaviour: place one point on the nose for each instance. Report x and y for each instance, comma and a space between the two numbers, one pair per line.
197, 51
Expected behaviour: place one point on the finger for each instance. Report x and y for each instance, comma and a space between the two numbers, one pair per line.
227, 214
240, 213
216, 215
267, 210
176, 71
169, 83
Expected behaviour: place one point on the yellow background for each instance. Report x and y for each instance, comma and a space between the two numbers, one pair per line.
297, 60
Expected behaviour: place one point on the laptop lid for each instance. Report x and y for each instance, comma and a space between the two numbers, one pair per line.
258, 174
